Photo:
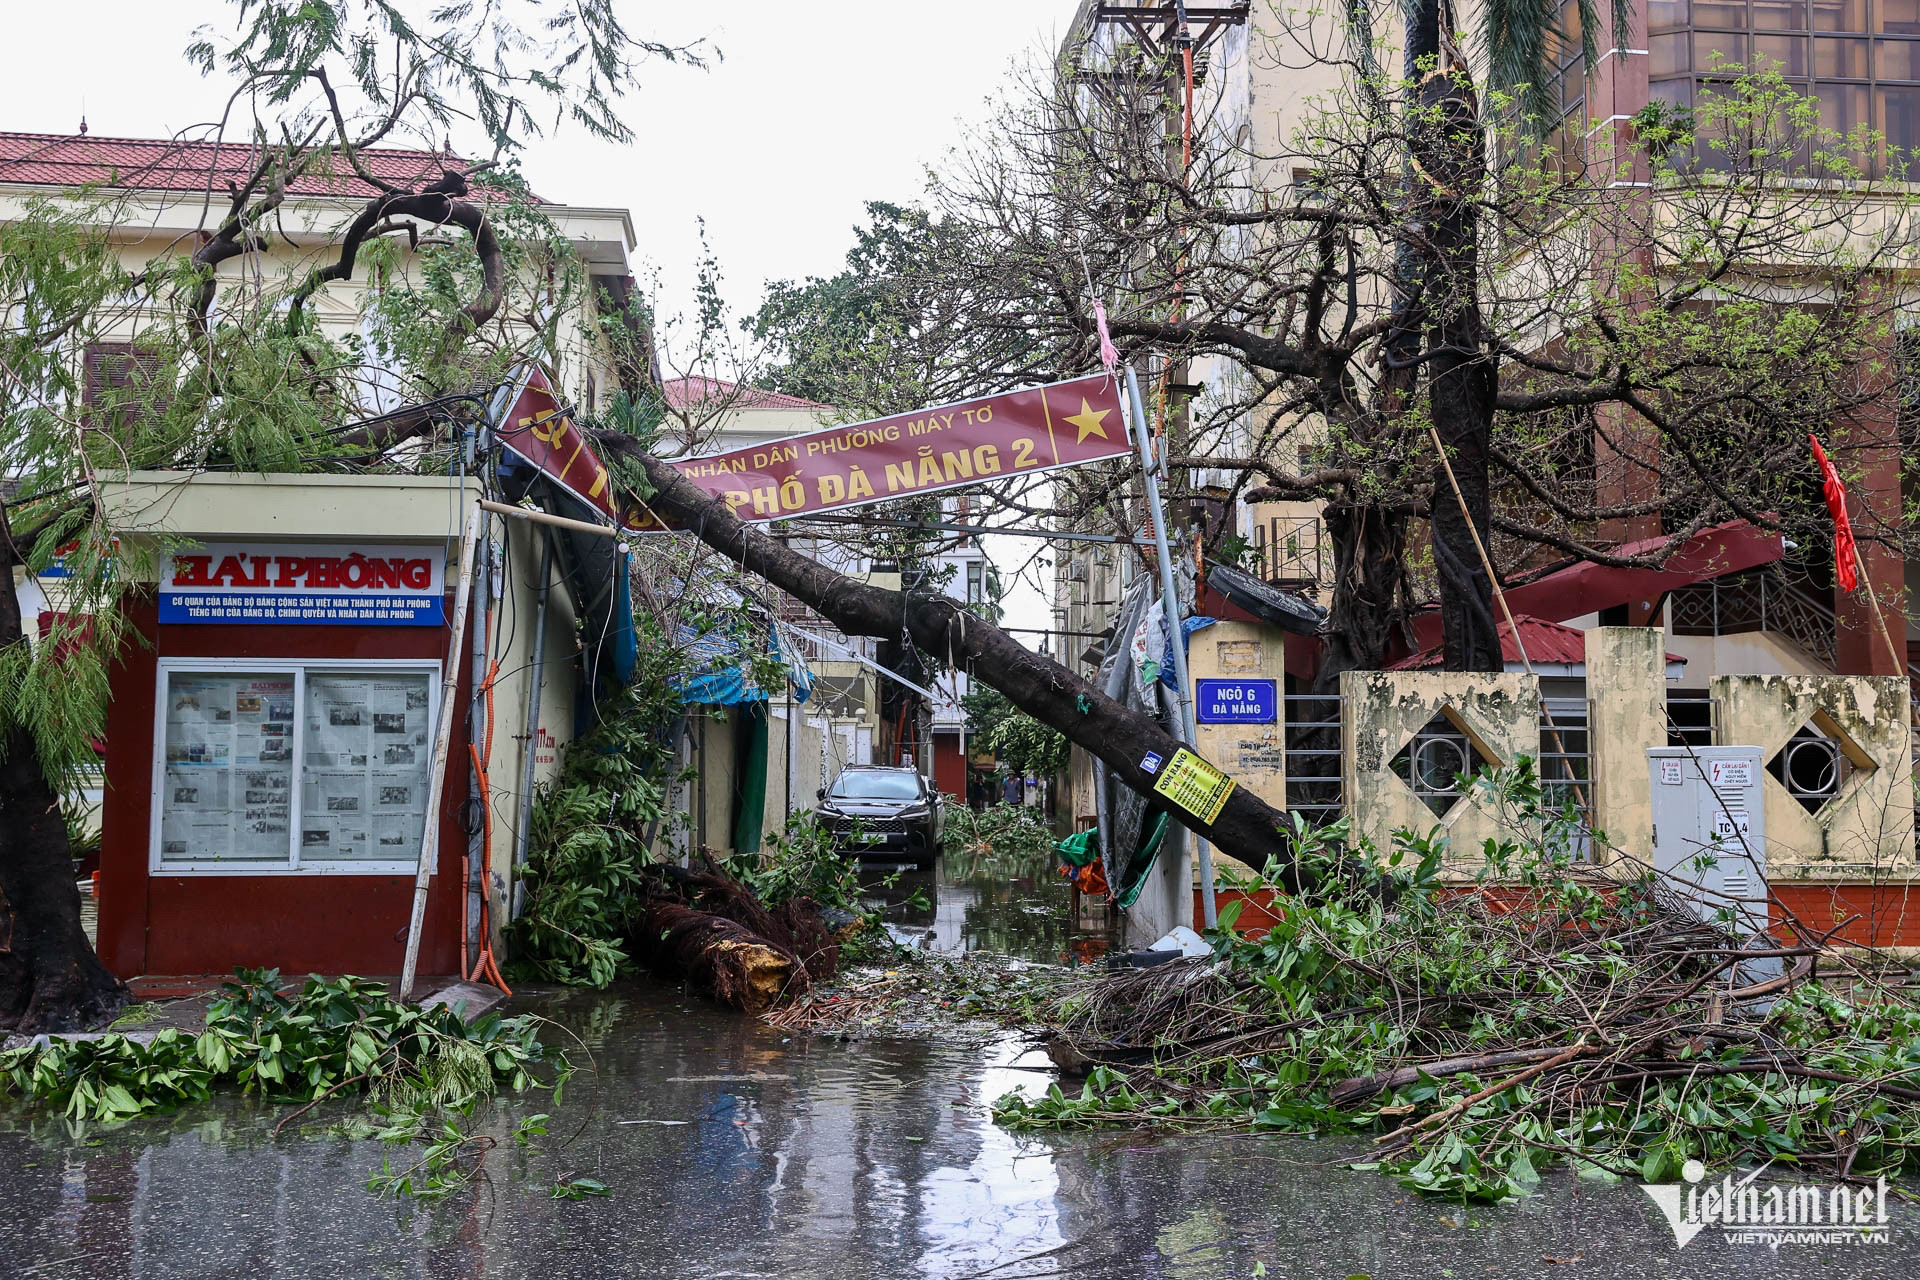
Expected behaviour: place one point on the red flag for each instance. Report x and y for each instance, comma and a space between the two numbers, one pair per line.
1108, 355
1844, 555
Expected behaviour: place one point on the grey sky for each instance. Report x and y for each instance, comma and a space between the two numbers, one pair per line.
814, 110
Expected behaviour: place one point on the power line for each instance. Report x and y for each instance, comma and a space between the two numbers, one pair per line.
976, 529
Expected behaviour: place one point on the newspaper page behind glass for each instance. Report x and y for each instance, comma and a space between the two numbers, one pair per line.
363, 789
226, 793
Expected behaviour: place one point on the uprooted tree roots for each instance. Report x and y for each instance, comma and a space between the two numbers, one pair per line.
1480, 1035
709, 930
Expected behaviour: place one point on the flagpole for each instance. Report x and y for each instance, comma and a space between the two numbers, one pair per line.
1879, 619
1835, 491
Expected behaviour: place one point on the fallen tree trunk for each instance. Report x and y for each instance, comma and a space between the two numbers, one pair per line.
794, 927
715, 956
1247, 827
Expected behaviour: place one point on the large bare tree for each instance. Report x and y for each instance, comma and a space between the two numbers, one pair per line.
1605, 333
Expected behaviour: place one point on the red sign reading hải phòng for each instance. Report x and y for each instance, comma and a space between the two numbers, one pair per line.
1061, 424
304, 584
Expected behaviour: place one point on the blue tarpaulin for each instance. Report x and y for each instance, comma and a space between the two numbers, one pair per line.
722, 679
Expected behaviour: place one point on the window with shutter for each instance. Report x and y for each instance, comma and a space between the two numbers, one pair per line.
116, 373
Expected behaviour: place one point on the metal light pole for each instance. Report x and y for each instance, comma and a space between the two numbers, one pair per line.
1170, 602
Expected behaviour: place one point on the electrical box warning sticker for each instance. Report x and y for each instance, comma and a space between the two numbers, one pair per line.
1730, 773
1190, 783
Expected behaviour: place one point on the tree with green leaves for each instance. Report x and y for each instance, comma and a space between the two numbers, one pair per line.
231, 368
867, 339
1022, 744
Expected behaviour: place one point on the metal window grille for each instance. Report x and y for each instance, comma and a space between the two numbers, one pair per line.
1316, 788
1689, 719
1566, 764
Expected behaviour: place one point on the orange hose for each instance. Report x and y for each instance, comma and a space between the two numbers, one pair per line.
484, 964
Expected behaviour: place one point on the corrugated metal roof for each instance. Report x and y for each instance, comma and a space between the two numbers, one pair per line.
1548, 644
158, 164
689, 393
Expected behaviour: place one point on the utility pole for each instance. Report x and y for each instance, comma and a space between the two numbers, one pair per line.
1174, 36
1166, 34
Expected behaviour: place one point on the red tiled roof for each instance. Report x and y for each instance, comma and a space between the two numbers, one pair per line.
158, 164
1548, 644
1580, 586
686, 393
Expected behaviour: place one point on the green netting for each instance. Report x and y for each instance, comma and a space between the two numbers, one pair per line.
1134, 876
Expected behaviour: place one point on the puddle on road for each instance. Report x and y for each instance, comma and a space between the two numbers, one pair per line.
736, 1150
1000, 903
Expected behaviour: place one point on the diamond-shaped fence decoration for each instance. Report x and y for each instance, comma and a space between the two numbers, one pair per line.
1435, 760
1818, 763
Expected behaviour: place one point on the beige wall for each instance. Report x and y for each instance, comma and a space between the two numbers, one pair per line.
517, 555
211, 506
1254, 754
1627, 709
1761, 653
806, 733
712, 813
1385, 709
1865, 831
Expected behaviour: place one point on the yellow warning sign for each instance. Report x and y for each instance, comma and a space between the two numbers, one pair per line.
1194, 785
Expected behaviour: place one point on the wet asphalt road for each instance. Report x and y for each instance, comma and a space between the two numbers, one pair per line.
736, 1150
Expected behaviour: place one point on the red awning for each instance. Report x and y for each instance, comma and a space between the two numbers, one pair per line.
1583, 587
1548, 644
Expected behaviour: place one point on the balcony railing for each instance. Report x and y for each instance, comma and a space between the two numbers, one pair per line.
1758, 601
1293, 552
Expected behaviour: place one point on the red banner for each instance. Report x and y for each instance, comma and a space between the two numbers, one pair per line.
537, 427
992, 438
1062, 424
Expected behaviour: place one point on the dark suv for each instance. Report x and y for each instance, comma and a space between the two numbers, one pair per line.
880, 808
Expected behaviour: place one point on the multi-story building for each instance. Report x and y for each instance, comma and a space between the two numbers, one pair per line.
1259, 78
1734, 603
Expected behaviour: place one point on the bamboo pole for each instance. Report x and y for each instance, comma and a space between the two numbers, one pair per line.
542, 517
437, 772
1879, 619
1493, 580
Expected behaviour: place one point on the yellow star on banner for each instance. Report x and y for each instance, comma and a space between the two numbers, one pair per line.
1089, 420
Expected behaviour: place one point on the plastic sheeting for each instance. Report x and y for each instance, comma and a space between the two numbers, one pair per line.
722, 677
1138, 675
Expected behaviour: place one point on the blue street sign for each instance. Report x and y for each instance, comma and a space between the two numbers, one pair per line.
1236, 702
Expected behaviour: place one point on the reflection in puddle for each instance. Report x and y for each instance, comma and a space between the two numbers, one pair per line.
735, 1149
1006, 904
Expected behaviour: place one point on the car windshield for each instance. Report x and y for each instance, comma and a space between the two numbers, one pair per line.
877, 784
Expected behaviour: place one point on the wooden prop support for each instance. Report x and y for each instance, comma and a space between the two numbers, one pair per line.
541, 517
1493, 580
437, 773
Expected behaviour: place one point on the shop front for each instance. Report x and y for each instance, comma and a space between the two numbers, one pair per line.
271, 735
